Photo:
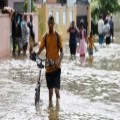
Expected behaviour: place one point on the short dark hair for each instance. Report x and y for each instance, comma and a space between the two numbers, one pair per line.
73, 22
31, 16
51, 18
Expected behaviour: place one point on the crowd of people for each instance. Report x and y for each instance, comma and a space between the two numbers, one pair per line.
86, 43
22, 33
83, 41
52, 42
105, 29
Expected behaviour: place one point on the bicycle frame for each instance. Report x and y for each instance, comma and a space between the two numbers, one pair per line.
37, 89
41, 66
38, 85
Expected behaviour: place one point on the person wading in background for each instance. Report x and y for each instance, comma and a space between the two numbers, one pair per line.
73, 39
54, 51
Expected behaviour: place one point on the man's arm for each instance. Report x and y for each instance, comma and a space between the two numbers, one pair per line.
42, 45
77, 29
61, 54
39, 51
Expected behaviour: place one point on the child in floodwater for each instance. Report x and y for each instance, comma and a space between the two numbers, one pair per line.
82, 43
91, 45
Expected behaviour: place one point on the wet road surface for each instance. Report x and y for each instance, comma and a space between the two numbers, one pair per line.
89, 92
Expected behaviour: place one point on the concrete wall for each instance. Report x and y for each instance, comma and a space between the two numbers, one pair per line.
116, 19
4, 36
81, 10
42, 20
5, 30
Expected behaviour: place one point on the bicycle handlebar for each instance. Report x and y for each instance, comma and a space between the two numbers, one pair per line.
39, 61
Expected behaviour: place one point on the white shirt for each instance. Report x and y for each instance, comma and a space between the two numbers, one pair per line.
100, 26
107, 30
25, 33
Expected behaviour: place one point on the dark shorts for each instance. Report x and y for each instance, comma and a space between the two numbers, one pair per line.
73, 47
53, 79
108, 40
90, 51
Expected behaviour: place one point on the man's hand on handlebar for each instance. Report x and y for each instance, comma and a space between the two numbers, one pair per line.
49, 62
33, 56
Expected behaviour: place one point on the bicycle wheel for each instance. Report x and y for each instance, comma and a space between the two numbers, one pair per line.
37, 94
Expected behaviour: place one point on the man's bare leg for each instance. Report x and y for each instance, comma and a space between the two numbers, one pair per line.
57, 92
50, 95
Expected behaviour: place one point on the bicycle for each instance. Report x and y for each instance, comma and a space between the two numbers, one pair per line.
40, 65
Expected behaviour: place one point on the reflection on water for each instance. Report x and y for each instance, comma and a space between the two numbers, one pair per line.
89, 92
53, 111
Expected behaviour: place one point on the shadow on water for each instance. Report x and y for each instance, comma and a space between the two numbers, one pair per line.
53, 111
49, 113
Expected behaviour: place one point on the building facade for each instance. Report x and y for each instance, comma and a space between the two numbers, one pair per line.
63, 16
63, 11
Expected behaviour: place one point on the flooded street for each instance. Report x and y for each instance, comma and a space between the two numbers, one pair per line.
90, 92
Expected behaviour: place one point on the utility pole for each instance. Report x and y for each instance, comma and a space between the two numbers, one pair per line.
29, 6
88, 17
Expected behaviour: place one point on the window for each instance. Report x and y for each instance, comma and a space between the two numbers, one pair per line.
57, 17
71, 16
64, 17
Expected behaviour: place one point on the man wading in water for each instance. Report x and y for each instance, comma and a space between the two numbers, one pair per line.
54, 51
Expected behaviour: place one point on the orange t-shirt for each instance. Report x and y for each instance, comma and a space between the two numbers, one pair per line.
90, 42
52, 45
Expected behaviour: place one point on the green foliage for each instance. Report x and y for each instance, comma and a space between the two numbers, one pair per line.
104, 6
33, 6
25, 5
33, 9
5, 2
